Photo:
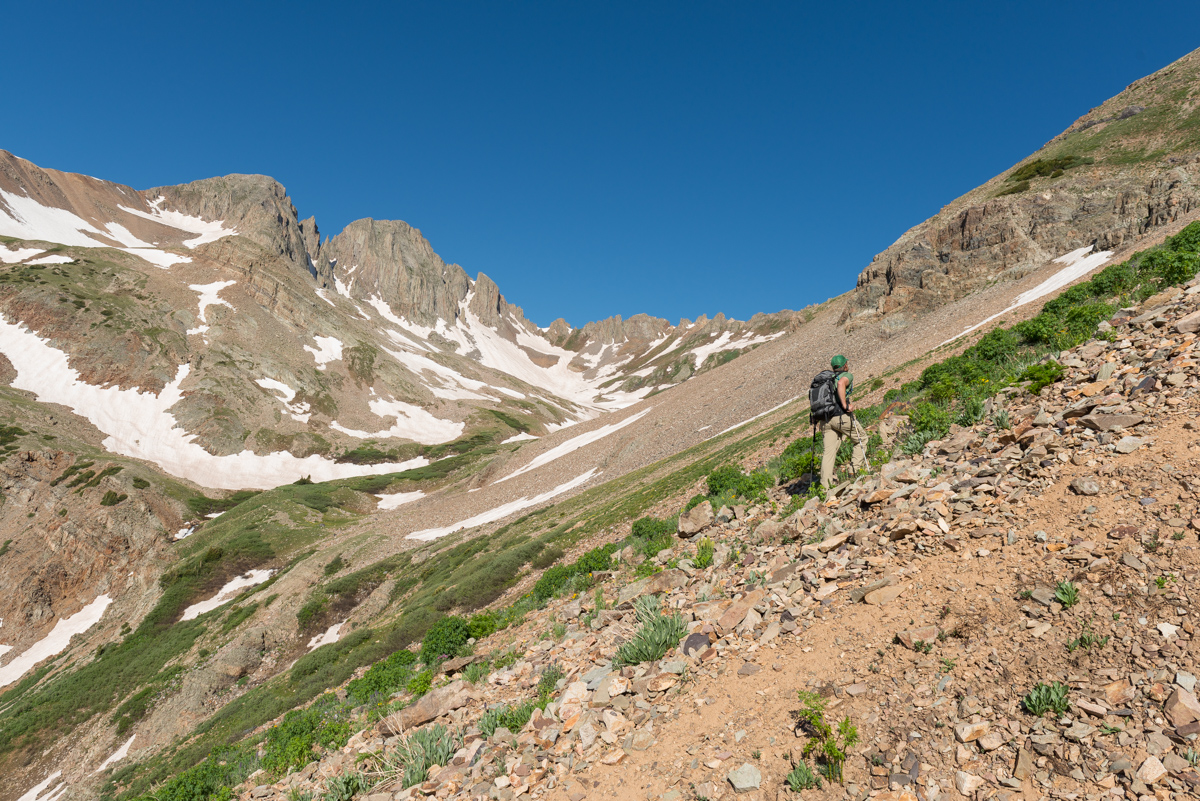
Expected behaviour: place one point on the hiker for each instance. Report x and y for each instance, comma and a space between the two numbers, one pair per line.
829, 403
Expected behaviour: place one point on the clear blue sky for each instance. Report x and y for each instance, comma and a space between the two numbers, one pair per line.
593, 158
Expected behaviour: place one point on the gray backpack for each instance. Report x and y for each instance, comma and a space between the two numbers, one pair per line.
822, 397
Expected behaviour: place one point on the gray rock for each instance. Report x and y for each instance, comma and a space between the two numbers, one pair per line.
745, 778
1129, 444
696, 519
695, 644
1085, 485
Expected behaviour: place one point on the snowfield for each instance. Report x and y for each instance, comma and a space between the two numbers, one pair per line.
208, 231
327, 637
575, 443
28, 219
726, 342
117, 755
35, 792
328, 349
412, 422
1078, 264
209, 296
298, 411
139, 424
20, 254
231, 590
398, 499
501, 512
56, 641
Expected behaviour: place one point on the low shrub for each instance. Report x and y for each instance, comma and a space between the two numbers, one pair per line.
658, 633
1045, 698
444, 639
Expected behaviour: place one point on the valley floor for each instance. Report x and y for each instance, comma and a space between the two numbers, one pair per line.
925, 604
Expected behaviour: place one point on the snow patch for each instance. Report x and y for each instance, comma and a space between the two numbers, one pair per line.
727, 342
1078, 264
749, 420
298, 411
575, 443
20, 254
329, 349
453, 385
500, 512
327, 637
519, 438
53, 259
208, 231
232, 589
412, 422
397, 499
138, 424
35, 793
117, 755
321, 294
25, 218
209, 296
56, 641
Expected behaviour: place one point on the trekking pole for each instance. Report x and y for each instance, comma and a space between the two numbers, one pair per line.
812, 464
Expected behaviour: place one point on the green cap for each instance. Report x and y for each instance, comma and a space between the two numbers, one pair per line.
837, 361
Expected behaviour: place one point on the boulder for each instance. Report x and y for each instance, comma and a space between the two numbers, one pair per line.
1182, 707
745, 779
432, 705
1085, 485
1189, 324
696, 519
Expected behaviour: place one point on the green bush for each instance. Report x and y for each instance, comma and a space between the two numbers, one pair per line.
704, 554
557, 577
1047, 167
652, 535
419, 684
384, 677
730, 481
289, 745
1041, 376
444, 639
508, 717
112, 499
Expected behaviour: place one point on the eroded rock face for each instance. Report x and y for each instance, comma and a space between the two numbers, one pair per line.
1004, 230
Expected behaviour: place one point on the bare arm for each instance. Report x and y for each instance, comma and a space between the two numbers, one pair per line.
842, 383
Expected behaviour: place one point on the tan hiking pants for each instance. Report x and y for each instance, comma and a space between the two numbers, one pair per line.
836, 428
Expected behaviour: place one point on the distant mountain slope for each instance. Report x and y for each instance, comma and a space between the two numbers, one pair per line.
252, 354
1124, 169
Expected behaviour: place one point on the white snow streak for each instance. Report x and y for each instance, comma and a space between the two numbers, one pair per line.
117, 755
20, 254
28, 219
501, 512
208, 231
321, 294
575, 443
298, 411
56, 641
227, 593
138, 424
209, 297
330, 635
519, 438
1078, 264
726, 342
750, 420
454, 385
35, 792
397, 499
329, 349
412, 422
53, 259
